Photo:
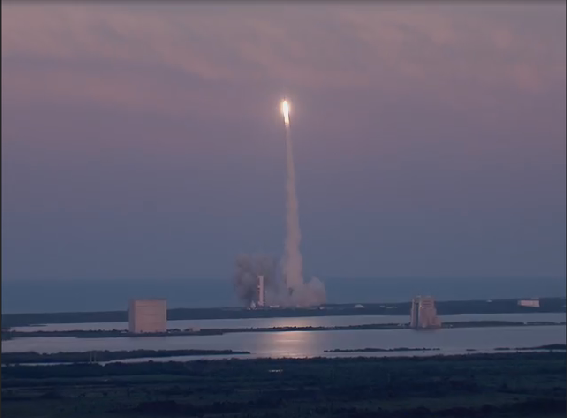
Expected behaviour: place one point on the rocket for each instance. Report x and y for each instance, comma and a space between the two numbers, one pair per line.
285, 111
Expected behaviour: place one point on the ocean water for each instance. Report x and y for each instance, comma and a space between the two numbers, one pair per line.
38, 296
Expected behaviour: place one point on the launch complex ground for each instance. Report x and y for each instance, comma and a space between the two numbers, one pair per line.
457, 307
116, 333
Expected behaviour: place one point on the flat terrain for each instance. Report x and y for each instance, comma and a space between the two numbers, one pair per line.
496, 306
8, 335
510, 385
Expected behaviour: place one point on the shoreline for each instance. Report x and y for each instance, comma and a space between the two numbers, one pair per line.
100, 358
544, 347
454, 307
84, 357
10, 335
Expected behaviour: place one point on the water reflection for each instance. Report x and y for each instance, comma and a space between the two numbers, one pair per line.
309, 343
287, 344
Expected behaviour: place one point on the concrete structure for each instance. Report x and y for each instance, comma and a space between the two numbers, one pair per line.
423, 314
261, 301
147, 315
529, 303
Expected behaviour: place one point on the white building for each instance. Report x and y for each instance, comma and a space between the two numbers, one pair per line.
529, 303
147, 315
424, 313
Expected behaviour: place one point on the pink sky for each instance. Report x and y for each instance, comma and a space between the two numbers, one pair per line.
145, 140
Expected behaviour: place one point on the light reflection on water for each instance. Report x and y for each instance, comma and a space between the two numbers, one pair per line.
310, 343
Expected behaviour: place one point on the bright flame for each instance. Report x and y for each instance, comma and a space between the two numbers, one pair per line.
285, 111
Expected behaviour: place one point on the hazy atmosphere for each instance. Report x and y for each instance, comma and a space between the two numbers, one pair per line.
287, 210
145, 142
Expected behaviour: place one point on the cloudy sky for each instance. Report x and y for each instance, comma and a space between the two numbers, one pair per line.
145, 141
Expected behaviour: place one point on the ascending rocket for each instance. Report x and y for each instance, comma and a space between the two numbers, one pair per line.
285, 111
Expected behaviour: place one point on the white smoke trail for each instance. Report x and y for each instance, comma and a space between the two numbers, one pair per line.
293, 261
311, 293
291, 291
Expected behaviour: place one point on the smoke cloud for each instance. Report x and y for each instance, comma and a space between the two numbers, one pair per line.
247, 270
287, 288
293, 264
311, 293
249, 267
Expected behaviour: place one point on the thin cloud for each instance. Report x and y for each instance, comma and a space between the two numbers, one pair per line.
444, 51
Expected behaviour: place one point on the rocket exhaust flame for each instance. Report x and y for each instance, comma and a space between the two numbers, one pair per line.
285, 112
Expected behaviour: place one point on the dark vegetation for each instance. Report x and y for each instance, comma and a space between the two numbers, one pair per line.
496, 306
381, 350
104, 333
14, 358
519, 385
88, 356
539, 347
9, 334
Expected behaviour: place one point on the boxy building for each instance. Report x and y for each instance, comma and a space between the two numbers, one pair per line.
147, 315
529, 303
423, 313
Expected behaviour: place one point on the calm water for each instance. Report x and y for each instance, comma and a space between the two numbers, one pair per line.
326, 321
310, 343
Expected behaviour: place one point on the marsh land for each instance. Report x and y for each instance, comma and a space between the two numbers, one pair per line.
527, 385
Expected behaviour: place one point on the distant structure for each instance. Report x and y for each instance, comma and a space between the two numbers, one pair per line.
423, 314
259, 300
529, 303
147, 315
261, 292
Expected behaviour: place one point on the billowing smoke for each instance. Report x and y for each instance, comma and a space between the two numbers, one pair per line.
247, 270
287, 288
277, 293
311, 293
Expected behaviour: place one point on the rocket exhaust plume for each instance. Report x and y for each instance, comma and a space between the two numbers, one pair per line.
312, 293
293, 261
247, 270
287, 289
